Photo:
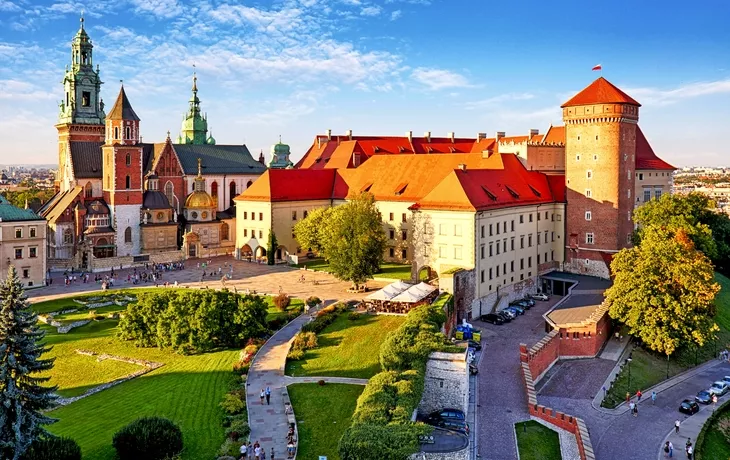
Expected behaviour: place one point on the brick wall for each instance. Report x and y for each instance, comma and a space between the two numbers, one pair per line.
589, 339
543, 355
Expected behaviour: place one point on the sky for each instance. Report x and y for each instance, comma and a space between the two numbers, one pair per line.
295, 68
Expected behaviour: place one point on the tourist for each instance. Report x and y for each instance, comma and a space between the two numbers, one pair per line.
290, 449
268, 396
628, 396
690, 450
244, 451
271, 456
257, 451
263, 395
666, 449
638, 396
671, 449
687, 444
653, 397
676, 426
632, 406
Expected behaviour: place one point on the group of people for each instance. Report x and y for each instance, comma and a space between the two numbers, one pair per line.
151, 273
254, 452
634, 406
688, 447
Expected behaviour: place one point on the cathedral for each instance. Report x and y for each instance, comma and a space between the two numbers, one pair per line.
120, 200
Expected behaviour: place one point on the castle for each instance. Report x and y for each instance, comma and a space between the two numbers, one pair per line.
120, 200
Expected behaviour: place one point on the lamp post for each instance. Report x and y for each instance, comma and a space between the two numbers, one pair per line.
628, 363
667, 367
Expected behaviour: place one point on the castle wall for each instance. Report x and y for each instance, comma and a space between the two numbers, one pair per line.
124, 217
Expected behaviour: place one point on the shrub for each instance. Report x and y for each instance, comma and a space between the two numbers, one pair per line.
148, 438
313, 301
305, 341
233, 404
241, 367
238, 429
377, 441
53, 448
282, 301
275, 323
295, 355
321, 382
354, 316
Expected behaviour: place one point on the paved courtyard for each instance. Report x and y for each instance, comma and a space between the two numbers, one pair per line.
246, 275
502, 400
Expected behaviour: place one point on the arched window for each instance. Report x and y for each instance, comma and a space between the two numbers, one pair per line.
214, 190
116, 132
224, 231
232, 190
88, 192
248, 184
128, 133
192, 186
127, 182
68, 236
128, 158
170, 193
128, 235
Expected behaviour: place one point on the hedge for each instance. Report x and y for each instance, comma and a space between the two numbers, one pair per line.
708, 424
53, 448
148, 438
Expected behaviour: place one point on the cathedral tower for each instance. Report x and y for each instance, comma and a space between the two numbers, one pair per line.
81, 113
122, 174
600, 148
195, 124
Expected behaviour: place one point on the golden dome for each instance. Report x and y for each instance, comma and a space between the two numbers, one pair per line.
199, 199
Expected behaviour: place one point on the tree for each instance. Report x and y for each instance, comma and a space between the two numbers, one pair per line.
271, 248
23, 398
308, 231
353, 239
664, 290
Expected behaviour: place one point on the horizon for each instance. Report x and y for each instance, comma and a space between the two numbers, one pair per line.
296, 68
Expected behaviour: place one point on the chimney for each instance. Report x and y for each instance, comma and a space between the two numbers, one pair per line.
487, 153
329, 134
409, 135
481, 136
427, 135
348, 133
462, 166
534, 132
499, 135
451, 136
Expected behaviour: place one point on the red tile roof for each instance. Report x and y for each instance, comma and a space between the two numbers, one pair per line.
601, 91
645, 156
555, 135
295, 185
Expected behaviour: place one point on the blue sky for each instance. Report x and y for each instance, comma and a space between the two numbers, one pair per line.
298, 67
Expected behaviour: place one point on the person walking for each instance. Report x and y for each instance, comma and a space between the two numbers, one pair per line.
653, 397
628, 396
244, 451
690, 451
263, 395
268, 396
271, 456
632, 405
257, 452
671, 449
638, 396
676, 426
666, 449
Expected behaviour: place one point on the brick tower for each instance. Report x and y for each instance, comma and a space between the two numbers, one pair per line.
81, 113
600, 148
122, 174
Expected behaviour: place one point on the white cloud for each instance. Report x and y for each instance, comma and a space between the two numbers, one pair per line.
158, 8
395, 15
370, 11
497, 100
436, 79
18, 90
547, 114
296, 106
6, 5
659, 97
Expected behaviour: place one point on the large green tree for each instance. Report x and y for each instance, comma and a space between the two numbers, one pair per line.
308, 231
23, 398
664, 290
351, 238
696, 214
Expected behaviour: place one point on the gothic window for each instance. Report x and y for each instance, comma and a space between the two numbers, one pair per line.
116, 132
88, 192
224, 231
248, 184
129, 157
169, 193
127, 182
128, 235
85, 98
214, 190
232, 188
128, 134
68, 237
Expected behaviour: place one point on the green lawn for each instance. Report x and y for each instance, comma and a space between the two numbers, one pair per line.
274, 312
323, 414
649, 368
537, 442
387, 270
712, 443
347, 348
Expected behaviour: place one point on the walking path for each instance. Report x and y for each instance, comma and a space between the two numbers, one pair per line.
690, 428
352, 381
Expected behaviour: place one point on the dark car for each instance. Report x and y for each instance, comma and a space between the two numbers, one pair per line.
460, 426
475, 345
529, 301
689, 407
517, 309
492, 318
507, 316
703, 397
446, 413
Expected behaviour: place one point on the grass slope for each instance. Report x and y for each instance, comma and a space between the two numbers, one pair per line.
387, 270
649, 368
323, 414
537, 442
347, 348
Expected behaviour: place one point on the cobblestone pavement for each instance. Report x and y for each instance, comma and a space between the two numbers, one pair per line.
502, 400
246, 275
578, 378
624, 436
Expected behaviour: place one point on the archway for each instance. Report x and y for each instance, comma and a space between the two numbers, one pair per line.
425, 274
281, 253
88, 191
246, 251
260, 251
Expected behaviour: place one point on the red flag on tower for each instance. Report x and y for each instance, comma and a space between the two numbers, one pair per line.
596, 67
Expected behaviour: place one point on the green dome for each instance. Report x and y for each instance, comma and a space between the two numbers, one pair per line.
280, 149
210, 140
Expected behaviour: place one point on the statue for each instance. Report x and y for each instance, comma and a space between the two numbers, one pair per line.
101, 104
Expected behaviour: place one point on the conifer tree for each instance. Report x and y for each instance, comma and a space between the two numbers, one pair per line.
22, 394
272, 246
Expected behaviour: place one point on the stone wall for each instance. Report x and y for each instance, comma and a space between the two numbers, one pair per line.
462, 454
106, 264
446, 383
460, 284
502, 297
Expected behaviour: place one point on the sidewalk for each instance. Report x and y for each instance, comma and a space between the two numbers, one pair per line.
689, 428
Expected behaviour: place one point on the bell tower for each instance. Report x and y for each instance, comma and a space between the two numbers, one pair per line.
81, 112
195, 124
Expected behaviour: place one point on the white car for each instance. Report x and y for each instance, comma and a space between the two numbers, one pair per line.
719, 388
540, 296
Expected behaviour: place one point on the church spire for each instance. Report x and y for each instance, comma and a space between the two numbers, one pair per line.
194, 125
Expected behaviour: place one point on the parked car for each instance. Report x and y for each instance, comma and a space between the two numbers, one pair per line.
445, 413
453, 424
474, 344
507, 315
529, 301
492, 318
703, 397
689, 407
522, 304
516, 309
726, 379
719, 388
540, 296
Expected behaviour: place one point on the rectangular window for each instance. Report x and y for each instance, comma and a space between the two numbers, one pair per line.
497, 247
404, 254
512, 244
253, 233
32, 232
32, 253
261, 216
490, 273
86, 98
530, 217
481, 276
26, 274
497, 228
522, 264
392, 252
552, 255
628, 216
647, 194
628, 238
392, 234
482, 231
442, 229
457, 230
504, 227
245, 214
512, 225
641, 176
588, 193
490, 230
589, 216
529, 240
504, 245
404, 235
552, 236
261, 234
504, 268
538, 259
18, 233
522, 219
529, 262
490, 250
442, 252
391, 217
305, 214
293, 215
657, 193
589, 238
538, 216
538, 239
403, 218
457, 252
522, 241
19, 253
497, 271
481, 252
589, 174
245, 232
546, 215
512, 266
